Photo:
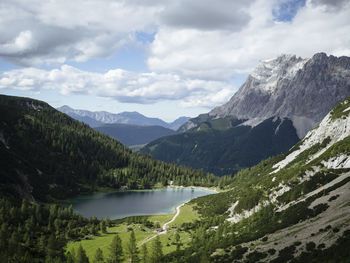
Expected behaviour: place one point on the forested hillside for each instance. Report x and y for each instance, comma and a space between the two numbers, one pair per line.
46, 154
240, 146
293, 207
134, 134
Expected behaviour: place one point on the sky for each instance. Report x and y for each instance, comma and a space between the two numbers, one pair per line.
162, 58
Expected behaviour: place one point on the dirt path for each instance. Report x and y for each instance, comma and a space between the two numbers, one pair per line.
164, 228
172, 220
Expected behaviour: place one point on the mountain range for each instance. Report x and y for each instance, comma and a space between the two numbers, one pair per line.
96, 118
295, 92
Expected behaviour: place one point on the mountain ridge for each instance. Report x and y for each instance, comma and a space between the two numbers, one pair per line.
131, 134
303, 90
97, 118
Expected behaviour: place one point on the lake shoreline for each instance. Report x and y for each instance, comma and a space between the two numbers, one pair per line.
105, 197
113, 190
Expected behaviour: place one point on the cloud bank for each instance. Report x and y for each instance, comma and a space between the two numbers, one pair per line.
119, 84
198, 48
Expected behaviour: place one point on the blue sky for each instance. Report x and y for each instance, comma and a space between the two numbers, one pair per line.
161, 58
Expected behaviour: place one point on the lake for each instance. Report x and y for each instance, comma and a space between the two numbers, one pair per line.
122, 204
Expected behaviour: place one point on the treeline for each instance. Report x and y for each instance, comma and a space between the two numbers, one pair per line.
60, 157
117, 255
39, 233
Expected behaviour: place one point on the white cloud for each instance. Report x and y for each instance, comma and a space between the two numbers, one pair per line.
121, 85
206, 14
198, 48
220, 54
196, 38
68, 30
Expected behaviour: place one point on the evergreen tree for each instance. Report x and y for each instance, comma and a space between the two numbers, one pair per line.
70, 257
132, 248
178, 242
52, 246
103, 226
13, 242
42, 243
98, 256
204, 258
116, 250
108, 221
144, 253
157, 252
81, 256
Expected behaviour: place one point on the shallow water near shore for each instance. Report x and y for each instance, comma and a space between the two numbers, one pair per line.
122, 204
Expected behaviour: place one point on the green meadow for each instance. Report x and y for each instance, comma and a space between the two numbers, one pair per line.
143, 234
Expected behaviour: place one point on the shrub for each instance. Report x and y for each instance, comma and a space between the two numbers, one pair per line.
310, 246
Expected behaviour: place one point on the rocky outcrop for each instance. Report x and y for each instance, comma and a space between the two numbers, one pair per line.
303, 90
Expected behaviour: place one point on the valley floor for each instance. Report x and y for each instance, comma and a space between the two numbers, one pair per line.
166, 227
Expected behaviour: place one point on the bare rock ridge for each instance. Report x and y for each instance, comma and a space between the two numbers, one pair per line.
303, 90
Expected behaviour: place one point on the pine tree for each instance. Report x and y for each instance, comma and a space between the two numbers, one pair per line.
69, 258
81, 256
178, 242
157, 252
42, 243
144, 253
13, 242
52, 246
132, 248
103, 226
98, 256
108, 221
116, 250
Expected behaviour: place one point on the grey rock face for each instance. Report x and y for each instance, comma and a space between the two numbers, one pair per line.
303, 90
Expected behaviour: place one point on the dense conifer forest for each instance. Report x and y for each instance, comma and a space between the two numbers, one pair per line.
48, 155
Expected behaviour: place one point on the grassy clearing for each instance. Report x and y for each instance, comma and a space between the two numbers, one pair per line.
168, 241
104, 240
161, 219
187, 214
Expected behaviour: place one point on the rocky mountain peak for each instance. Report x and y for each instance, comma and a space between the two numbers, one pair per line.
303, 90
268, 72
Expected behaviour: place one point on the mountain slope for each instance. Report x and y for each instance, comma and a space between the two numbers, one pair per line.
240, 146
45, 154
301, 91
97, 118
176, 124
85, 119
290, 208
134, 134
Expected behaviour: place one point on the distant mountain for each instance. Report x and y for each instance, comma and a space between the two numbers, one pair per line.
298, 92
96, 118
176, 124
134, 134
